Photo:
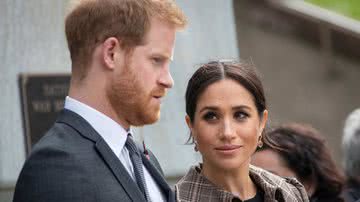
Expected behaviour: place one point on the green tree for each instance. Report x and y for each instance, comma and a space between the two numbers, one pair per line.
350, 8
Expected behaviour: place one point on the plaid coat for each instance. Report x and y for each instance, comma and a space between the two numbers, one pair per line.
194, 187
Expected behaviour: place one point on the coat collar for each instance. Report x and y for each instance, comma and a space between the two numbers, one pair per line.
79, 124
194, 186
274, 187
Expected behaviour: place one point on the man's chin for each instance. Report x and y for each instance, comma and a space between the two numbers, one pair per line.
147, 119
153, 118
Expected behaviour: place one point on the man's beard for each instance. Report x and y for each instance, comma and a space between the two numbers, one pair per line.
130, 101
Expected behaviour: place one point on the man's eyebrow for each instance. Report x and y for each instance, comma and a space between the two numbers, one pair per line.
162, 56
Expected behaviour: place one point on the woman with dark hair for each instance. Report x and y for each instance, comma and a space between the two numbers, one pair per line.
226, 114
300, 151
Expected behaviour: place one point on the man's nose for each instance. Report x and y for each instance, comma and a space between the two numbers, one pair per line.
166, 79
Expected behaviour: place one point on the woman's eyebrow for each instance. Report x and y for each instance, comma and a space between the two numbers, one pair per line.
208, 108
240, 107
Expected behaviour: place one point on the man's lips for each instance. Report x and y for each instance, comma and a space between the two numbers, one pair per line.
158, 98
159, 94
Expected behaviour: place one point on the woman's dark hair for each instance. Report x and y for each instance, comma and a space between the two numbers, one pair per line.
214, 71
306, 153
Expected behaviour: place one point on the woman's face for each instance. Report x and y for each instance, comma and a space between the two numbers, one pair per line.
226, 125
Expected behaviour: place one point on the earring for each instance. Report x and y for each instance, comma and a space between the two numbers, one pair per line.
196, 146
260, 143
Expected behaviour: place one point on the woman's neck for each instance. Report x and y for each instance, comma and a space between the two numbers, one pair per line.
236, 181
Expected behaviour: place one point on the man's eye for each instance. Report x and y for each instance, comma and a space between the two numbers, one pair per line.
210, 116
157, 60
240, 115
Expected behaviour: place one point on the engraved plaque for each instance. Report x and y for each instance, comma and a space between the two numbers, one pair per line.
42, 97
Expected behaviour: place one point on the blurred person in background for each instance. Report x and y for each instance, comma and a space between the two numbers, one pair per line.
226, 114
351, 152
300, 151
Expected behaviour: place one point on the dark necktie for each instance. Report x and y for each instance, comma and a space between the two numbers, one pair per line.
137, 164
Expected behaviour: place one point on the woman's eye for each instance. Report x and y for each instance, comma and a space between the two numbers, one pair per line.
240, 115
209, 116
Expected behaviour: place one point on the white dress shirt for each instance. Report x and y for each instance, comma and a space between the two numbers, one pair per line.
115, 136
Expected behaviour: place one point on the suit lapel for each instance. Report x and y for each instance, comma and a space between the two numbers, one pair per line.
87, 131
159, 179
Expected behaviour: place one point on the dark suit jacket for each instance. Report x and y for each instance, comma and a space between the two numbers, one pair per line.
72, 163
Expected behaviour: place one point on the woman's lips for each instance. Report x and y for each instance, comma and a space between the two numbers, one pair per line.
227, 149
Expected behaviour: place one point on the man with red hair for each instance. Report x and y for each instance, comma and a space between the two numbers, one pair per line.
120, 52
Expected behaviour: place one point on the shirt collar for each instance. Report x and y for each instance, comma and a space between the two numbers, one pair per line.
113, 133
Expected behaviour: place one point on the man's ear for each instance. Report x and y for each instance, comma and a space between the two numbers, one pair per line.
111, 46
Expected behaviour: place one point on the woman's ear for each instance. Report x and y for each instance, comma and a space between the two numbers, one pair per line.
263, 120
188, 122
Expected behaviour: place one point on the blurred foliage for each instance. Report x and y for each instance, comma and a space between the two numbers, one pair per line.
350, 8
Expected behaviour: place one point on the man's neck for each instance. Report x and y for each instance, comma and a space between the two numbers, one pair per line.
97, 99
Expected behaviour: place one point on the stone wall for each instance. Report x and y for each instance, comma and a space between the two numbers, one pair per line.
306, 78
